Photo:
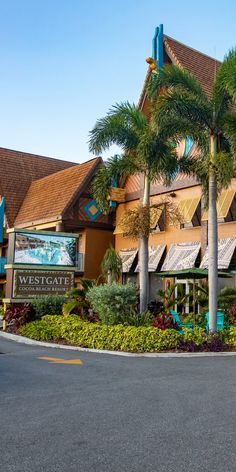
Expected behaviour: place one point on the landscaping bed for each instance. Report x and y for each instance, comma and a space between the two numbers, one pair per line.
72, 330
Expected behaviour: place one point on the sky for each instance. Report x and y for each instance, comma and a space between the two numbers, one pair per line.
64, 63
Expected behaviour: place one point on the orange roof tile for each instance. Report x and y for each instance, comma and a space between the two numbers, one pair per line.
18, 170
50, 196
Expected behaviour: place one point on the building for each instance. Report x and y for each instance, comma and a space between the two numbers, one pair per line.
43, 193
184, 246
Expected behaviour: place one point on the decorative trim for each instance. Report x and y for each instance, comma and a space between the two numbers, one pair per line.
93, 215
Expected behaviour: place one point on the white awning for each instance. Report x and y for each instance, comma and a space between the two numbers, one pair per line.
154, 257
181, 256
226, 249
127, 257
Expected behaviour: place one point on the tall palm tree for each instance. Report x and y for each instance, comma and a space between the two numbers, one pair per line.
211, 121
146, 150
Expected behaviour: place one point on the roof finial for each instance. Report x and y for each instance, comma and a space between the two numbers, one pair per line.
157, 49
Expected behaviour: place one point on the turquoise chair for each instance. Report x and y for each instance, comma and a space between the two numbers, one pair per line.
219, 322
178, 320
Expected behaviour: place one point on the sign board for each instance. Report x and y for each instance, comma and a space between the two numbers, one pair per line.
40, 263
117, 195
33, 283
44, 249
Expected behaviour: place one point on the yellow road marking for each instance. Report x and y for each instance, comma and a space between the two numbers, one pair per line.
44, 358
56, 360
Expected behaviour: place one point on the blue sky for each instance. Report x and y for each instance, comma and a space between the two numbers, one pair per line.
65, 62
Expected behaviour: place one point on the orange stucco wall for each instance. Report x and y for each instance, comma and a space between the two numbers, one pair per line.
96, 243
172, 234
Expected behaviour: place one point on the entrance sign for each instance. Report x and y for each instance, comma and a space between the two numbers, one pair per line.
40, 263
31, 283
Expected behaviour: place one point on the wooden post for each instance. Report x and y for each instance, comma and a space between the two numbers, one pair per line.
4, 325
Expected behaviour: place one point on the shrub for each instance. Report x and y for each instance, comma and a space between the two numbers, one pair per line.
114, 304
164, 321
187, 318
230, 336
144, 319
99, 336
18, 314
187, 346
76, 301
1, 311
199, 340
48, 305
41, 330
197, 336
215, 343
232, 319
201, 320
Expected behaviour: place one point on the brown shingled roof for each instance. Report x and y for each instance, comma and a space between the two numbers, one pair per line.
51, 196
18, 170
201, 66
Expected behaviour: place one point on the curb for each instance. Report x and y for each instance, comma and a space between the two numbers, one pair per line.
32, 342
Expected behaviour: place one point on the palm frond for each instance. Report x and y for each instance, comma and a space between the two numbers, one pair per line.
223, 167
187, 165
120, 126
177, 128
116, 168
185, 106
174, 77
100, 187
229, 128
129, 114
69, 307
225, 83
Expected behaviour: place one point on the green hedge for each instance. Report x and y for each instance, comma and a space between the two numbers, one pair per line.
99, 336
116, 338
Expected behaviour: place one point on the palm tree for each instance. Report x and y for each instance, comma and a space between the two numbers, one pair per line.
146, 150
111, 265
211, 121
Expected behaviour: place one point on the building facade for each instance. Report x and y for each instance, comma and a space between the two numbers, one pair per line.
182, 245
41, 193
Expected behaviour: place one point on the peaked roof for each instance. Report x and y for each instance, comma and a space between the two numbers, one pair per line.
201, 66
49, 197
18, 170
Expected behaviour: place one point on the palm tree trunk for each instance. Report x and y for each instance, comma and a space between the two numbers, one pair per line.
143, 254
212, 244
109, 277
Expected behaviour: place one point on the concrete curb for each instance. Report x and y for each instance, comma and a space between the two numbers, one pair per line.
32, 342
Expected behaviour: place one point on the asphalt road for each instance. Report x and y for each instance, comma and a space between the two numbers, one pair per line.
117, 414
